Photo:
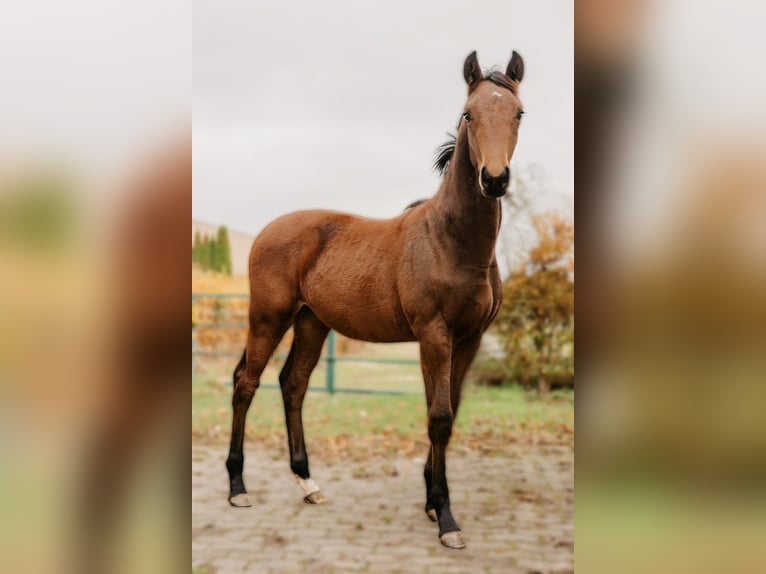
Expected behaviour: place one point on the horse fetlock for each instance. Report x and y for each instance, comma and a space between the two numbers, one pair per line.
311, 492
238, 492
235, 464
300, 466
439, 496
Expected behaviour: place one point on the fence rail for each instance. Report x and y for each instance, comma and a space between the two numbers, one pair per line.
329, 356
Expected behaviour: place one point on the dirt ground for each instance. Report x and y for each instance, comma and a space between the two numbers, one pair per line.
516, 511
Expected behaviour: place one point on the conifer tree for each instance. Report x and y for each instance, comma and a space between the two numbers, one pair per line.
223, 251
197, 248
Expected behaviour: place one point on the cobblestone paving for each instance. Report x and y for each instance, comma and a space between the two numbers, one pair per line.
516, 512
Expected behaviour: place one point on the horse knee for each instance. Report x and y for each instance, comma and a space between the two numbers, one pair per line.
284, 375
440, 425
243, 393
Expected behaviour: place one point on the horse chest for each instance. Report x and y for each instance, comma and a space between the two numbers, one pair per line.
468, 305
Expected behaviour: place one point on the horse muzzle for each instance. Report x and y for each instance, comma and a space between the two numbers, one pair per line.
494, 187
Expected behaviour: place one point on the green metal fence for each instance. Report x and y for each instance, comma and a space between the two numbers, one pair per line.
329, 357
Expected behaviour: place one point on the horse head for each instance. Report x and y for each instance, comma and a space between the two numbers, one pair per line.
491, 119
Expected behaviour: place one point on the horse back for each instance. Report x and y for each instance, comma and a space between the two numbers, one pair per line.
344, 267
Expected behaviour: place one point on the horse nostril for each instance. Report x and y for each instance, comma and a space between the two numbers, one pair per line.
502, 179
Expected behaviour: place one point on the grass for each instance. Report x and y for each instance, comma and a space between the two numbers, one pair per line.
511, 408
355, 426
354, 375
678, 524
323, 413
500, 411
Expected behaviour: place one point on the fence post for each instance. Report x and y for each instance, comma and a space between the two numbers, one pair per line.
330, 361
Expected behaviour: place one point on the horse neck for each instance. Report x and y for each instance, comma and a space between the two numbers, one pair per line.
469, 219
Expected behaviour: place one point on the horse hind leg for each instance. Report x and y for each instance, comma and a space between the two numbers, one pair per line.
310, 334
247, 375
235, 462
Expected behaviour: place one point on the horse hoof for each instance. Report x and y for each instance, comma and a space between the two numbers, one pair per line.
315, 498
431, 513
241, 500
452, 539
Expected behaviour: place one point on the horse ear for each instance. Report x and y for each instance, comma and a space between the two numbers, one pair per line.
515, 69
471, 70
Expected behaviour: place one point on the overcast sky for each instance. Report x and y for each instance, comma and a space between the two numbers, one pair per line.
97, 86
340, 105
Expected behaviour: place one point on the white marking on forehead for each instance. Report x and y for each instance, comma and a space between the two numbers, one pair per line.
497, 94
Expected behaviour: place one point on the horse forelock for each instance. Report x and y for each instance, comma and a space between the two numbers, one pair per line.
500, 79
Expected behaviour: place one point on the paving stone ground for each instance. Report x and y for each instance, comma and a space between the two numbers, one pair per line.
516, 512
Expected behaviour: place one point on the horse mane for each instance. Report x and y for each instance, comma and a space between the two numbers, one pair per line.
444, 154
415, 204
445, 151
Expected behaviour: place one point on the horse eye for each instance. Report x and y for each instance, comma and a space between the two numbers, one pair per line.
467, 117
521, 113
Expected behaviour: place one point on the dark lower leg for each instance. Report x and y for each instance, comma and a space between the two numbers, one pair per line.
439, 430
299, 459
428, 475
294, 379
436, 361
247, 376
293, 392
242, 397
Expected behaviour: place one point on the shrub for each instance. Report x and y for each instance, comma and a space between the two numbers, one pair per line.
536, 320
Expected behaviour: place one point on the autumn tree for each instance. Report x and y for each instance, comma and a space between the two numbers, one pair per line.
536, 319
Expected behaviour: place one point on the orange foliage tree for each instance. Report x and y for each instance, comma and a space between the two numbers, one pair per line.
536, 320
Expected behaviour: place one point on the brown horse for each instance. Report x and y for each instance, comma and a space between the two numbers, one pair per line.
429, 275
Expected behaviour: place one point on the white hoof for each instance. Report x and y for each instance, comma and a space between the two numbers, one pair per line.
241, 500
431, 513
453, 539
315, 498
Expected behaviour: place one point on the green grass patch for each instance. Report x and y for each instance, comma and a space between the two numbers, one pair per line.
483, 410
380, 372
511, 408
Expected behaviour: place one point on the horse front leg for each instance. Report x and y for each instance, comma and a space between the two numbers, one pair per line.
436, 361
428, 473
463, 354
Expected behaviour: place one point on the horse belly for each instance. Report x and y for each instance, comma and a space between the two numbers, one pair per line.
360, 310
